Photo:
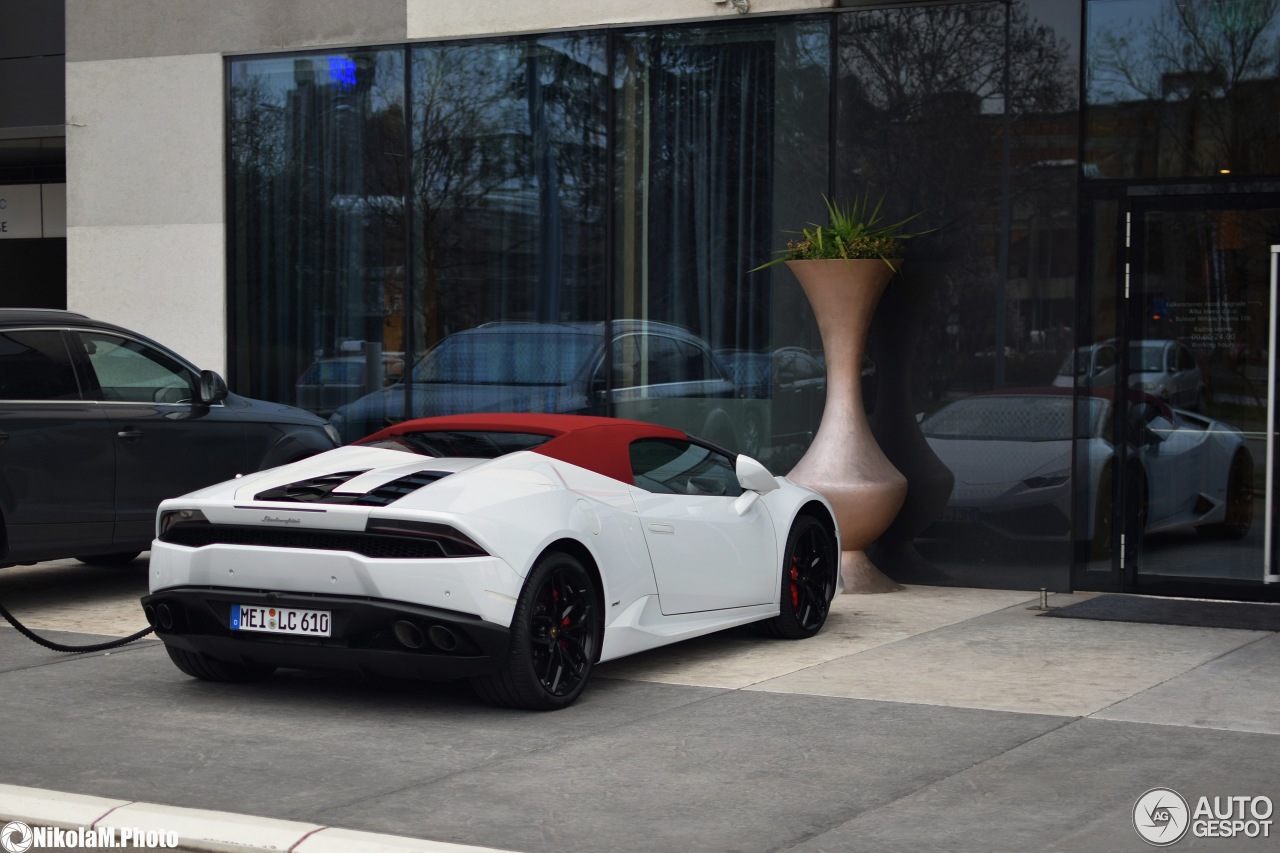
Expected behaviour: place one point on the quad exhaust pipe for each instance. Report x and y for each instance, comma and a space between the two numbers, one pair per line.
409, 635
442, 638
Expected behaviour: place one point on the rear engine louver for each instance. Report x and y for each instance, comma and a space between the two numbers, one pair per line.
321, 489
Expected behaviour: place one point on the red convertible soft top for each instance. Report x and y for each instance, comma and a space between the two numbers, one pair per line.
601, 445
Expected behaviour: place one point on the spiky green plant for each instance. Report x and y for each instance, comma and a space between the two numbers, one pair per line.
855, 232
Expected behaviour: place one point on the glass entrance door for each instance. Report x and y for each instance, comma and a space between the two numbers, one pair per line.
1193, 402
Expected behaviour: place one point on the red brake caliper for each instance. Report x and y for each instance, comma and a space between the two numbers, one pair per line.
795, 588
564, 623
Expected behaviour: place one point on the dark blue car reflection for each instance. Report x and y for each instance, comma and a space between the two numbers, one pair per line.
656, 372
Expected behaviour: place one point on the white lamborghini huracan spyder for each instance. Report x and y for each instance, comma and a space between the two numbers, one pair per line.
512, 549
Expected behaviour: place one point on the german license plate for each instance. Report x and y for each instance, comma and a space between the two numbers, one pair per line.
965, 514
281, 620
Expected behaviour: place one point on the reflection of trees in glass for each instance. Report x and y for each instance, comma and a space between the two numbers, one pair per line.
924, 115
1207, 72
317, 254
508, 150
696, 139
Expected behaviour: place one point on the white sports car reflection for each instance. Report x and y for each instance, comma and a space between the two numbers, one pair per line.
1011, 454
514, 550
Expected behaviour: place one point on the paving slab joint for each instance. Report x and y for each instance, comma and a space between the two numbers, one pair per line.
198, 829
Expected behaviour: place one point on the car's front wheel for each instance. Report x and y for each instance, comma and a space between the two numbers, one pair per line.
808, 580
555, 639
208, 669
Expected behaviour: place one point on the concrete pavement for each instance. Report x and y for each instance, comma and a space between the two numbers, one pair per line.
933, 719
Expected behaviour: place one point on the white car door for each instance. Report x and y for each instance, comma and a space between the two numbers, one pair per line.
705, 556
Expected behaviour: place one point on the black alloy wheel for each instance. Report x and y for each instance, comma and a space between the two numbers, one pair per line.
808, 581
555, 639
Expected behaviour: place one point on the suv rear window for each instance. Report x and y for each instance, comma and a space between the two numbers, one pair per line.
35, 365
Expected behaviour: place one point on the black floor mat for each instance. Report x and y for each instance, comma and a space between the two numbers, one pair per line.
1170, 611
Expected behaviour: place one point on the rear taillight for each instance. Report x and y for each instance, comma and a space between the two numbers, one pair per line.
170, 517
452, 541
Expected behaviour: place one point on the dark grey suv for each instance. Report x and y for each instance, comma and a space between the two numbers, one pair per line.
99, 424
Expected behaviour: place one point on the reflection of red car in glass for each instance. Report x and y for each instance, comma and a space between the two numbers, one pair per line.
1010, 452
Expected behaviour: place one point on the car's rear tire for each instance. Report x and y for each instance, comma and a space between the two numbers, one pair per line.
809, 568
109, 559
555, 639
207, 669
1239, 517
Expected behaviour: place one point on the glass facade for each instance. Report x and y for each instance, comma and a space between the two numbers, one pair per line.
573, 222
967, 113
1181, 151
317, 162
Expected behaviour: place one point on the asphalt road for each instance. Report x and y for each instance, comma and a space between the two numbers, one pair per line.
932, 719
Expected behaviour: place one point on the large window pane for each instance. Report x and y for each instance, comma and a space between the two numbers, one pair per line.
1181, 88
721, 139
507, 292
968, 112
317, 234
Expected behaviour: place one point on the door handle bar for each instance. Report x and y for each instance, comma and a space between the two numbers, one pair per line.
1269, 574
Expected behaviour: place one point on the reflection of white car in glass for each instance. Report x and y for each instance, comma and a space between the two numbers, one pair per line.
1093, 365
1168, 370
512, 549
1163, 368
1011, 457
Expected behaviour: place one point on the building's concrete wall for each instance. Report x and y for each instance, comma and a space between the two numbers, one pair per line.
128, 29
146, 241
459, 18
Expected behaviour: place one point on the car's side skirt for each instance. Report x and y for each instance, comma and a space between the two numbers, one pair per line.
643, 626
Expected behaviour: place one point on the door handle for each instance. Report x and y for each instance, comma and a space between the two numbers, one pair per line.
4, 436
130, 434
656, 527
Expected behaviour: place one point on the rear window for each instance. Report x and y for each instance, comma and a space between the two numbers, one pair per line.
459, 443
35, 365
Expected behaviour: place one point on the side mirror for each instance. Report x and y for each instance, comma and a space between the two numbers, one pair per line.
753, 476
212, 389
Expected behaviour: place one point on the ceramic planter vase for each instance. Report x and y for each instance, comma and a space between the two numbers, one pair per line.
844, 462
